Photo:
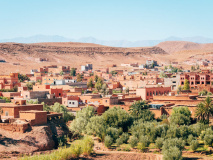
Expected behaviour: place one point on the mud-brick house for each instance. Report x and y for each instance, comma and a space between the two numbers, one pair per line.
10, 94
147, 93
34, 94
107, 101
19, 116
9, 81
11, 110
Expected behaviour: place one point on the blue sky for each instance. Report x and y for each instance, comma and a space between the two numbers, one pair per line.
107, 19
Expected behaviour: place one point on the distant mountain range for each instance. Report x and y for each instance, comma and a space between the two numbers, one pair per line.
113, 43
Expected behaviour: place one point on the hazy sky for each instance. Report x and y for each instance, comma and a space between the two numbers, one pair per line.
107, 19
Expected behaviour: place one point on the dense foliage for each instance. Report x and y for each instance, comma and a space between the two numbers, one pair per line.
139, 129
57, 107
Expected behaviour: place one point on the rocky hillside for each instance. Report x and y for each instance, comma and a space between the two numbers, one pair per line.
39, 138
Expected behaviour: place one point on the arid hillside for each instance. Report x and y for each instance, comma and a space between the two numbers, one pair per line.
24, 57
177, 46
72, 54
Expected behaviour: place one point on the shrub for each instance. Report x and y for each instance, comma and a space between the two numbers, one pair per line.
133, 141
87, 145
163, 117
190, 139
76, 150
194, 145
113, 133
141, 147
125, 137
208, 140
172, 153
127, 149
208, 131
144, 140
108, 141
168, 143
119, 141
159, 143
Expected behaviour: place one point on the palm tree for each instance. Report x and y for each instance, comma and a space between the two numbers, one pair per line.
200, 112
204, 109
137, 108
209, 106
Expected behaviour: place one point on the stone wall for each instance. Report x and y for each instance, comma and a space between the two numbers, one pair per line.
14, 127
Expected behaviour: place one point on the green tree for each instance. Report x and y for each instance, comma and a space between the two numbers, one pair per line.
172, 153
90, 83
139, 109
117, 118
104, 89
163, 75
39, 81
159, 143
180, 115
192, 68
186, 85
98, 84
133, 141
96, 78
59, 108
61, 73
83, 116
194, 144
80, 77
204, 110
108, 141
179, 89
22, 77
114, 72
29, 85
73, 72
127, 90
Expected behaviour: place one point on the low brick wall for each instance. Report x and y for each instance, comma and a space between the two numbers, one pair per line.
50, 101
14, 127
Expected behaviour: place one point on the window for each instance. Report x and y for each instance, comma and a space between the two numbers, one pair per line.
105, 100
73, 103
6, 113
69, 102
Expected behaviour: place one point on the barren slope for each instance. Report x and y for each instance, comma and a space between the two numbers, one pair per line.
72, 54
76, 54
177, 46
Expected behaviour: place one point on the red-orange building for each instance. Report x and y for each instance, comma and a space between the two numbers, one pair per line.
9, 82
197, 79
148, 93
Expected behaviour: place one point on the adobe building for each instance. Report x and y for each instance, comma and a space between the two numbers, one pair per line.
19, 116
71, 101
197, 80
148, 93
11, 110
110, 100
9, 82
34, 94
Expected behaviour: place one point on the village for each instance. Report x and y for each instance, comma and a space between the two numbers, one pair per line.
163, 87
56, 96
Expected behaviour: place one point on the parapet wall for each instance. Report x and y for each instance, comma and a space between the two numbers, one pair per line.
14, 127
